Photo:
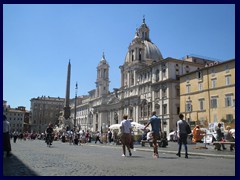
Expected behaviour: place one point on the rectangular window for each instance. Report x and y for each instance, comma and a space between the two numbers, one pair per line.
177, 72
188, 107
199, 74
214, 83
149, 109
178, 91
228, 82
132, 55
164, 109
140, 54
156, 94
228, 101
214, 102
188, 88
104, 73
200, 86
164, 72
226, 68
201, 104
164, 94
145, 110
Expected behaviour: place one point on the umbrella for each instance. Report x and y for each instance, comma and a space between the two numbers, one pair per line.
133, 124
137, 125
114, 126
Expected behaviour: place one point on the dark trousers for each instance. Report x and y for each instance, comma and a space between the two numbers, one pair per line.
126, 140
6, 143
98, 139
14, 139
182, 140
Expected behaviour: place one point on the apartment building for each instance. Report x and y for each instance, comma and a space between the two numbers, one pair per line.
207, 95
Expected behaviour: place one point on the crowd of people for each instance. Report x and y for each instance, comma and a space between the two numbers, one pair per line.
124, 137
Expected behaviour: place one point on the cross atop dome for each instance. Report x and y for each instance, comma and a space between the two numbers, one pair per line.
103, 57
143, 19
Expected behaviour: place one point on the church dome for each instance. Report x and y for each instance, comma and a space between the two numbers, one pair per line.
152, 51
141, 42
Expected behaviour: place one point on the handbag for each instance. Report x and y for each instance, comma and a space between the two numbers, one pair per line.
188, 129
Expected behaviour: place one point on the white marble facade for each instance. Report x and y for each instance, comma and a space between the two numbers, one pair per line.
149, 83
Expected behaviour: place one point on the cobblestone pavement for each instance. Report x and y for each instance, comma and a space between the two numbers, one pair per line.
34, 158
198, 149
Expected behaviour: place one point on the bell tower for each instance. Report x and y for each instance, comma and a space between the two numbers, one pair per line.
102, 83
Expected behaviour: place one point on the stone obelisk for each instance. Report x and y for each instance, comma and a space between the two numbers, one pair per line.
67, 97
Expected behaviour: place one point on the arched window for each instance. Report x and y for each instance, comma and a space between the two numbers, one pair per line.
132, 78
149, 109
104, 73
144, 106
143, 35
145, 110
157, 75
132, 55
140, 54
131, 112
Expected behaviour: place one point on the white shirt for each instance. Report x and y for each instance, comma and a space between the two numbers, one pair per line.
126, 126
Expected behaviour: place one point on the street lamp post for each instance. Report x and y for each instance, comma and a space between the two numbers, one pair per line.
75, 108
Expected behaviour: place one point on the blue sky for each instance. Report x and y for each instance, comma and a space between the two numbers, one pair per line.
39, 40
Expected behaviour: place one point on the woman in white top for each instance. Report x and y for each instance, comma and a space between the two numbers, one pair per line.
126, 129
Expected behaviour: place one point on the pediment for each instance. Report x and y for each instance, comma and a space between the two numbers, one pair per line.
113, 100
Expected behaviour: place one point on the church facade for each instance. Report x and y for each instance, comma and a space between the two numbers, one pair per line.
149, 83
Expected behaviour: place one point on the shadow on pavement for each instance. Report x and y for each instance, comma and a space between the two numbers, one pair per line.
12, 166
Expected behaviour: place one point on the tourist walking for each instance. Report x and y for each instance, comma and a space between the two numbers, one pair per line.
155, 122
220, 137
126, 136
182, 135
6, 136
87, 136
76, 138
98, 137
70, 137
15, 136
109, 135
49, 134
